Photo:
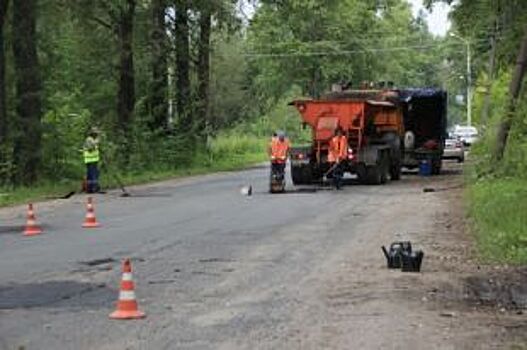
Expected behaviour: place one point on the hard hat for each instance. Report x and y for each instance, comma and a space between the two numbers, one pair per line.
94, 130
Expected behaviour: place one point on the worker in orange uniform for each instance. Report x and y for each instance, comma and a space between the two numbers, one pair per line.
278, 152
337, 152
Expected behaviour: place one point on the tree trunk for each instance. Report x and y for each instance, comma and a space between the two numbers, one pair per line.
514, 91
158, 93
126, 89
27, 153
182, 65
3, 108
204, 70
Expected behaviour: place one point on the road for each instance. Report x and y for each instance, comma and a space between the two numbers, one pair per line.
218, 270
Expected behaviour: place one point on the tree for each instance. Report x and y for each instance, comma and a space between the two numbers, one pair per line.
126, 88
118, 17
3, 109
159, 67
28, 92
313, 44
181, 32
204, 67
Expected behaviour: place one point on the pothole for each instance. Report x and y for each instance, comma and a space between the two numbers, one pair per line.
97, 262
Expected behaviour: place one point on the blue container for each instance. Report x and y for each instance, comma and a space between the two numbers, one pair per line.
425, 167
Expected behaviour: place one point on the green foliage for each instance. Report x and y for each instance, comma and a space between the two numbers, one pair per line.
281, 117
498, 208
288, 50
497, 191
63, 135
481, 152
314, 44
230, 102
496, 195
234, 148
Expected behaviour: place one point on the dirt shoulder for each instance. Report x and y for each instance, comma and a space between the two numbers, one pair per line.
454, 303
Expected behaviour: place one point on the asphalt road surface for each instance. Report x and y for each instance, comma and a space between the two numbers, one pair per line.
213, 269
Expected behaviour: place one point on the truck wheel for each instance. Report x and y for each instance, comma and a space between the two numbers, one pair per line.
395, 166
373, 175
436, 167
362, 173
301, 175
395, 170
384, 166
393, 140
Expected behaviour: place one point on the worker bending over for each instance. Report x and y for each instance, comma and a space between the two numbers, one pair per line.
278, 152
337, 152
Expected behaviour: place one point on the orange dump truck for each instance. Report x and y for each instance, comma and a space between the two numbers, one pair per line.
373, 122
386, 129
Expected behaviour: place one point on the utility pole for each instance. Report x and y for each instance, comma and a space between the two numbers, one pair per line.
492, 63
469, 87
469, 78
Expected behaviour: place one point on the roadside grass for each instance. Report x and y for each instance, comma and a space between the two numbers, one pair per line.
227, 152
498, 208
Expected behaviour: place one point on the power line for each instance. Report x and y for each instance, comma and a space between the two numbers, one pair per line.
341, 52
348, 42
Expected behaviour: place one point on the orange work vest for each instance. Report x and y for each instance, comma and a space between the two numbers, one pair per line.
338, 149
279, 150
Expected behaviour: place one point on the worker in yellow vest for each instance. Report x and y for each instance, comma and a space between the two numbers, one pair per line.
91, 159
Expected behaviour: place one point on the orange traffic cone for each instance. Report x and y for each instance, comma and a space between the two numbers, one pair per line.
127, 305
32, 228
90, 221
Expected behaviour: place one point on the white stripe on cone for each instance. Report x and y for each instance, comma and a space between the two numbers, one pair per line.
127, 295
127, 276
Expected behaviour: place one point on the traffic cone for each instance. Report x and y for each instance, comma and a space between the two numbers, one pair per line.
90, 221
32, 228
127, 305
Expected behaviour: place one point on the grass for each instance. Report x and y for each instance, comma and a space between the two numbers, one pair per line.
498, 208
227, 152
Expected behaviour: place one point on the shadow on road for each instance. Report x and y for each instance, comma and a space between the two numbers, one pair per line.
18, 229
4, 229
55, 294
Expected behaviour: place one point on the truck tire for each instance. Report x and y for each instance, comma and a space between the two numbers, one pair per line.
393, 140
409, 140
378, 174
373, 175
395, 170
384, 166
362, 173
436, 166
301, 175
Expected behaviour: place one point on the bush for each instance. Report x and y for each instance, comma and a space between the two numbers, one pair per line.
233, 148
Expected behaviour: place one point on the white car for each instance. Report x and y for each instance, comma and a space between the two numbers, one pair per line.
467, 134
454, 149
